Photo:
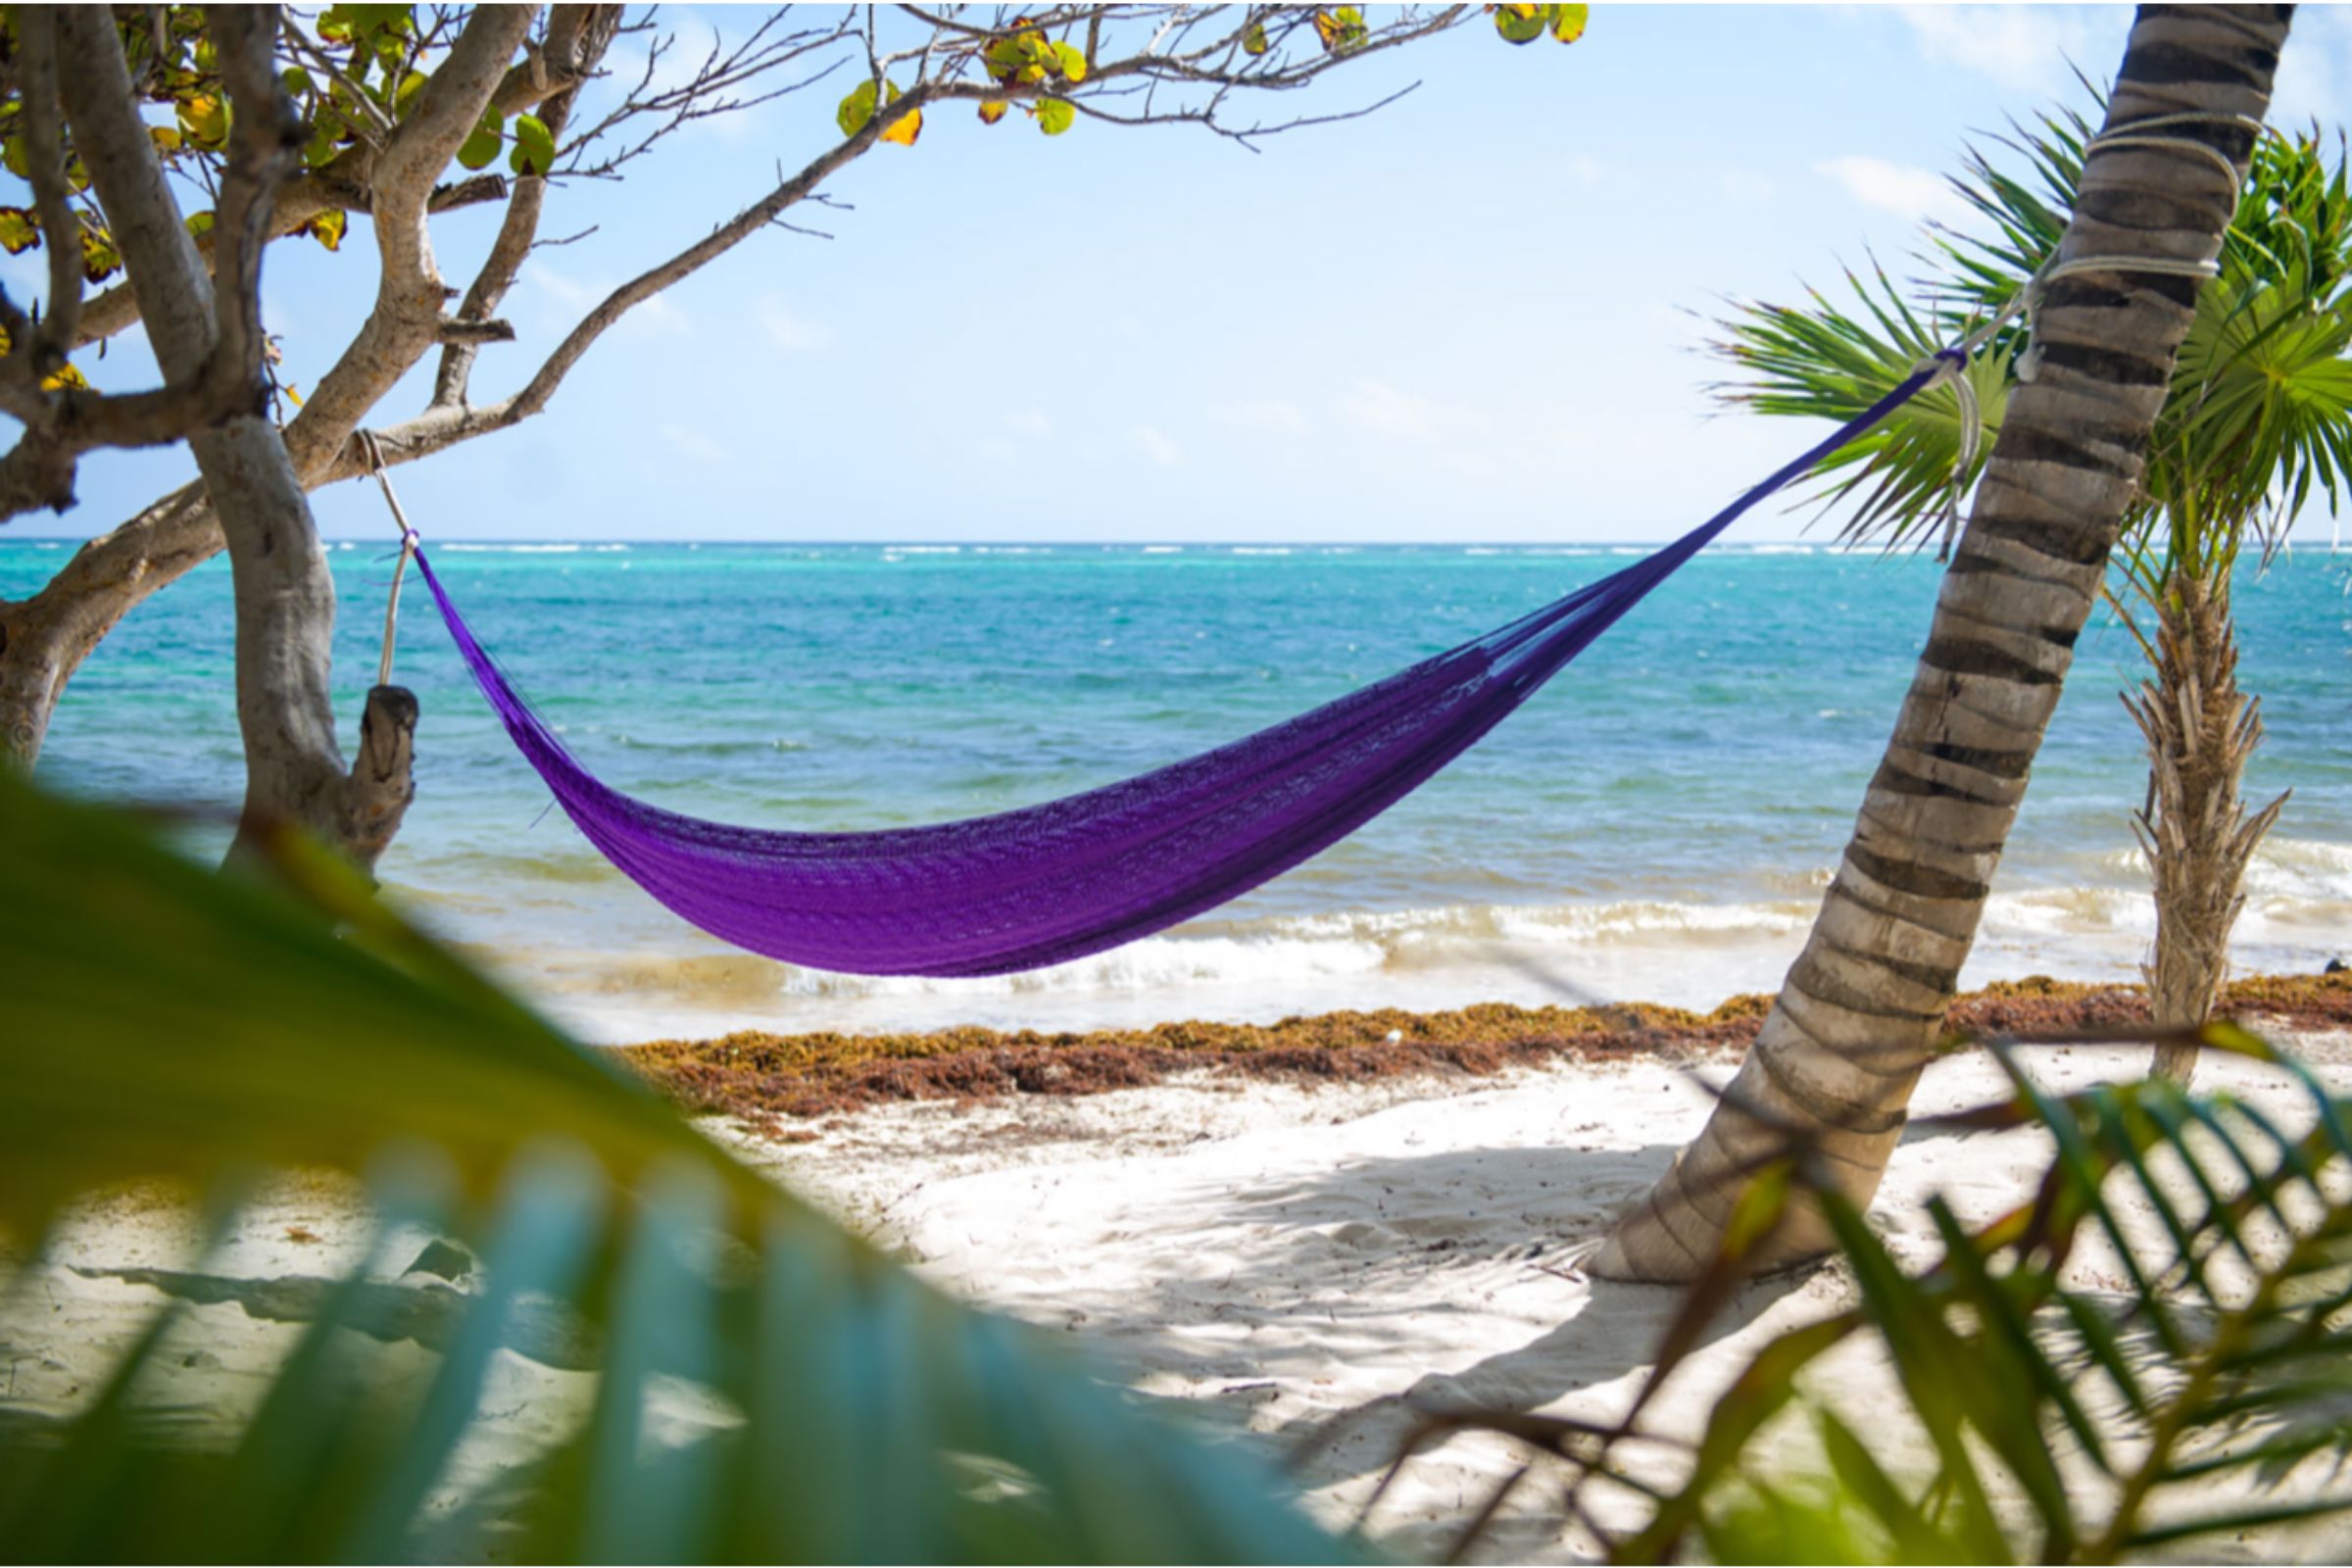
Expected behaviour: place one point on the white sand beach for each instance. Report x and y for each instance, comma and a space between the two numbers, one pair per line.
1306, 1269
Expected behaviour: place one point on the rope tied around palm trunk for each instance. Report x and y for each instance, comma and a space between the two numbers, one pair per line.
2027, 300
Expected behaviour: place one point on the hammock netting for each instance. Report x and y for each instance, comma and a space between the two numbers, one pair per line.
1048, 883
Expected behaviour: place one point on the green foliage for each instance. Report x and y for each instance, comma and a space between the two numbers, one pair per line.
479, 149
1342, 29
168, 1022
1525, 23
858, 109
2028, 1416
1025, 58
534, 147
374, 53
2259, 411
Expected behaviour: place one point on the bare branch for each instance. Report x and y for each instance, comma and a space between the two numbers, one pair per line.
265, 143
578, 37
405, 325
45, 157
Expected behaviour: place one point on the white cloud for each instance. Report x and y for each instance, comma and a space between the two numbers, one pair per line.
1384, 409
696, 444
1158, 445
794, 334
1270, 415
1029, 422
1903, 190
2023, 46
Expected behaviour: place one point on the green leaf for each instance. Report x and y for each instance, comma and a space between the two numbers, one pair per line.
409, 86
1072, 60
204, 118
1055, 115
480, 148
1004, 58
1519, 24
100, 260
1342, 29
856, 107
534, 148
1568, 21
1254, 40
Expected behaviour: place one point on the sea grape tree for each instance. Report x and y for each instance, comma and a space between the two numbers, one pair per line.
161, 150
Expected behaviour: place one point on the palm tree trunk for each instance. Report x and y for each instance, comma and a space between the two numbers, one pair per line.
1863, 1006
2200, 729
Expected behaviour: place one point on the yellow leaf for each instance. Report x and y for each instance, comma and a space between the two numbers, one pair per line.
65, 377
20, 230
990, 114
904, 129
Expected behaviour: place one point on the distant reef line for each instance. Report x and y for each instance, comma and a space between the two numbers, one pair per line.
766, 1079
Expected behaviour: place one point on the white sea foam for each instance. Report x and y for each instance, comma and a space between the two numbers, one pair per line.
510, 550
1687, 954
1260, 549
1163, 550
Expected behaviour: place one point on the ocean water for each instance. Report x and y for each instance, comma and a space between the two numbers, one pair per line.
1658, 823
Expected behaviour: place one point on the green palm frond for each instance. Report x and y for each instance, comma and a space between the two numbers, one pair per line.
2227, 1361
1820, 363
167, 1022
2258, 422
2026, 1415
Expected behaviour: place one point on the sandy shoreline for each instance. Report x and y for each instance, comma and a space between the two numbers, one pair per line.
1297, 1264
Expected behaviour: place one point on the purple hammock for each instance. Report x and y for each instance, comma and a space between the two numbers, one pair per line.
1057, 881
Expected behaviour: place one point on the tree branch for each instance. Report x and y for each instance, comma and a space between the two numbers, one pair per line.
406, 323
209, 347
45, 159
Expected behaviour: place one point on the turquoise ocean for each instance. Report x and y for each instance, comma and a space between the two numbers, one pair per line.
1659, 824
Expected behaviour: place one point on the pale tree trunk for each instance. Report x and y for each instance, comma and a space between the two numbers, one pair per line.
44, 638
284, 594
1862, 1008
2200, 731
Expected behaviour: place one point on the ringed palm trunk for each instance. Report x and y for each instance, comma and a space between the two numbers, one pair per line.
2195, 832
1860, 1010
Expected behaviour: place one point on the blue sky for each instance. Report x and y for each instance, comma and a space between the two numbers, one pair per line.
1465, 318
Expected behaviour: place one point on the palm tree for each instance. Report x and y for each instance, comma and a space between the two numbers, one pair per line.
1862, 1006
2259, 416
